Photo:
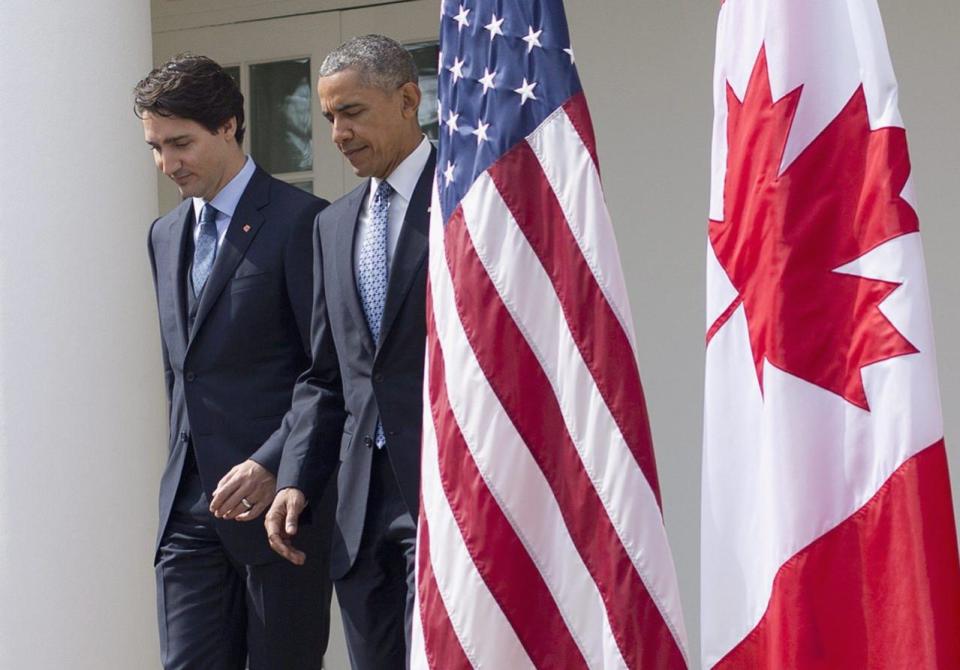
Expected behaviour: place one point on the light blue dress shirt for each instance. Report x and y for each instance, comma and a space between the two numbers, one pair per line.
225, 201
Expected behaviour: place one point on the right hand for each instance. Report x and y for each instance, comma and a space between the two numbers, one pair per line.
281, 523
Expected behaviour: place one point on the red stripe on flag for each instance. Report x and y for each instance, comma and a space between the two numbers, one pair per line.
525, 392
579, 115
881, 590
499, 556
597, 331
443, 648
723, 318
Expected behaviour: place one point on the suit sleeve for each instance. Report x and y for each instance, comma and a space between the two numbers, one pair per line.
167, 370
298, 279
314, 423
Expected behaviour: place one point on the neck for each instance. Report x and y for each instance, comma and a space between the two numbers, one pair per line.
232, 168
410, 143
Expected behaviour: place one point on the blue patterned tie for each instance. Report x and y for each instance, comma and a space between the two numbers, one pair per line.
205, 249
372, 270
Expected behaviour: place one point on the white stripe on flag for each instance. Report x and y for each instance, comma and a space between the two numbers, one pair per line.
515, 480
621, 485
576, 183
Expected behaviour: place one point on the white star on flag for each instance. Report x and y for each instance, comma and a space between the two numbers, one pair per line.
452, 122
481, 132
526, 91
494, 27
456, 69
532, 39
487, 80
448, 173
461, 18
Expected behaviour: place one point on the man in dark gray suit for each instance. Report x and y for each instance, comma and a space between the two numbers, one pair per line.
368, 339
232, 267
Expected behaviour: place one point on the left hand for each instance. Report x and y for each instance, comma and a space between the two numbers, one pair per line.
248, 481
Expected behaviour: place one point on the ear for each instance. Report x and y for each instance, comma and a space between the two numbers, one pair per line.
229, 128
410, 95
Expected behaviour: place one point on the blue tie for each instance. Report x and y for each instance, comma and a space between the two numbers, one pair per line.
205, 249
372, 270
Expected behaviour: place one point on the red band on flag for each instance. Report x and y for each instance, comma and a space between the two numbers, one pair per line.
443, 648
524, 391
579, 115
499, 556
599, 336
881, 590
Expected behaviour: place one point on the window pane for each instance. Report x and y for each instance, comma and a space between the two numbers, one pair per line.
280, 120
426, 55
303, 185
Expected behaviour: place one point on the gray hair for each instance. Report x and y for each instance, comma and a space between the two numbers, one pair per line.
381, 61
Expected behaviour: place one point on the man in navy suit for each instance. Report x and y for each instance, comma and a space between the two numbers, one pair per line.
232, 267
359, 404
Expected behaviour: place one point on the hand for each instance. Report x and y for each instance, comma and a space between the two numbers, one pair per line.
281, 524
248, 481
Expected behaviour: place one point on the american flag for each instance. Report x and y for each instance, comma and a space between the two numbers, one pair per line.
541, 540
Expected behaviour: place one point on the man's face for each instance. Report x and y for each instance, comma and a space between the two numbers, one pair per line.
370, 126
193, 157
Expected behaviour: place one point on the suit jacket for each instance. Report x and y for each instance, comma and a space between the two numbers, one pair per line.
230, 378
352, 379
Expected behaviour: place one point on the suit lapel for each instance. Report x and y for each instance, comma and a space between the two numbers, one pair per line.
180, 229
244, 226
411, 247
348, 283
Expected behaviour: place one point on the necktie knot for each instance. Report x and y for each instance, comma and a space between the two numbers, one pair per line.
384, 191
208, 216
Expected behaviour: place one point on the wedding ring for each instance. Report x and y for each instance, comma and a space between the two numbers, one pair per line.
246, 503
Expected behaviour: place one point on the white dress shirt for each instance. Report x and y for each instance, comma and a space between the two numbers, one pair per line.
225, 202
403, 180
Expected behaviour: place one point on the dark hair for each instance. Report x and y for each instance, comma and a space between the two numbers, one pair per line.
381, 61
191, 87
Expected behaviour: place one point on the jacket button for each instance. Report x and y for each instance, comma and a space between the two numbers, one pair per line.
378, 377
191, 376
184, 437
368, 441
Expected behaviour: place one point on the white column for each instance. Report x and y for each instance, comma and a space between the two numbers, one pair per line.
82, 413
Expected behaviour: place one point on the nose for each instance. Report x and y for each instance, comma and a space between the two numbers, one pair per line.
167, 163
341, 131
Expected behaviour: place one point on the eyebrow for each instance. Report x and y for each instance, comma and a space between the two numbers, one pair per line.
347, 105
171, 140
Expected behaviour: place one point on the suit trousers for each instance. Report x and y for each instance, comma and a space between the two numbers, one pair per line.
218, 614
376, 595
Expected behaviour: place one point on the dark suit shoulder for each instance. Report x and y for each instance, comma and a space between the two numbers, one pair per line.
292, 208
343, 208
162, 225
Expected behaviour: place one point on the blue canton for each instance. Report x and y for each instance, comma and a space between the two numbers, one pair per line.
505, 66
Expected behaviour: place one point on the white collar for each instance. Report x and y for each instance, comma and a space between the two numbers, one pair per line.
406, 175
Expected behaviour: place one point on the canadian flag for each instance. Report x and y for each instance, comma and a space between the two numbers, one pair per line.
828, 536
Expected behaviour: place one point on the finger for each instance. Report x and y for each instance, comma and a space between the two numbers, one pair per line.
227, 486
224, 481
234, 504
293, 515
252, 513
282, 545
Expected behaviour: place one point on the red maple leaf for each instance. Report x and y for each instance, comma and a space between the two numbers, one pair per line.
784, 235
